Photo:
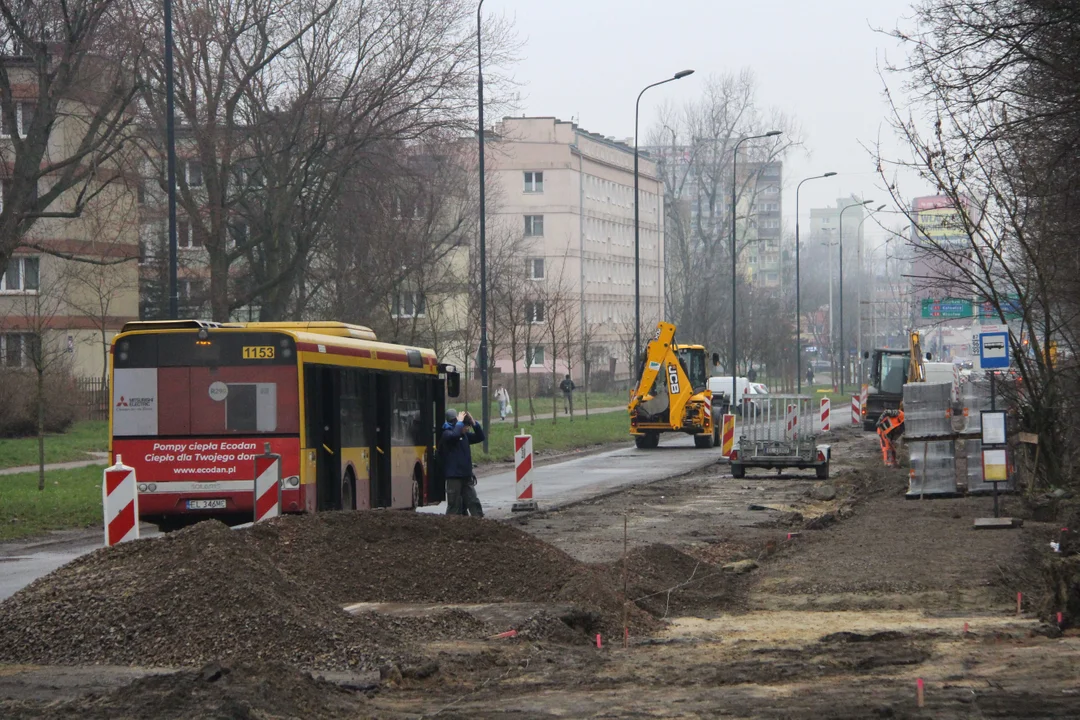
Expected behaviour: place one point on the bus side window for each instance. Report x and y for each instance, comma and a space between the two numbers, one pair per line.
352, 410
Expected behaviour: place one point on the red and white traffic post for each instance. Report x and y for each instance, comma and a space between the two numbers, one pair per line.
856, 410
120, 500
825, 425
523, 465
267, 485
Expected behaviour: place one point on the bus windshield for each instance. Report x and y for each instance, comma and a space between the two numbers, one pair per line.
220, 384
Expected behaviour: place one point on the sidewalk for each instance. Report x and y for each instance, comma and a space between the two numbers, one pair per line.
544, 411
99, 459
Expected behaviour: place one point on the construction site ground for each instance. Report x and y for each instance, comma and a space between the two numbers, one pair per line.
769, 596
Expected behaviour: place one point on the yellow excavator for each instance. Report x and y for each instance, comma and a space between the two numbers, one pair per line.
890, 426
672, 393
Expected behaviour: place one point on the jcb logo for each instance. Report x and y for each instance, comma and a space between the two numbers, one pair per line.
673, 378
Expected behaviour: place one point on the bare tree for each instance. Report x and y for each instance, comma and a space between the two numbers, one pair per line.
68, 80
43, 348
698, 175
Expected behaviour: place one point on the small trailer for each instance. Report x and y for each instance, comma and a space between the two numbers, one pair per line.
778, 434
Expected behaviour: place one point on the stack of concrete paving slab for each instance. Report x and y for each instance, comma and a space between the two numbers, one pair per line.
929, 436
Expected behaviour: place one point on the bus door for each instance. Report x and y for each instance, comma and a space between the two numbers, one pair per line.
324, 433
381, 458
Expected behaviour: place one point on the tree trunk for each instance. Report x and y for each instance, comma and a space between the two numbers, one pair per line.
41, 428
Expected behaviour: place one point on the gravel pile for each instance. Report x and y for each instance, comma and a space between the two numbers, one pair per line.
216, 692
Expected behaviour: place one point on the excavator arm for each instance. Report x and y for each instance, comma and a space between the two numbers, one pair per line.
656, 353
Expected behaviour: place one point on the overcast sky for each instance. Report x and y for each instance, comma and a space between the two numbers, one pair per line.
588, 59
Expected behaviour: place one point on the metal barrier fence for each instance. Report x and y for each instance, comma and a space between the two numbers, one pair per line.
91, 399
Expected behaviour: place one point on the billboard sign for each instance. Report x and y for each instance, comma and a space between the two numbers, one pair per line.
938, 223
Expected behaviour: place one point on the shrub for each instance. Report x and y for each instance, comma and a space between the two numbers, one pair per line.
18, 410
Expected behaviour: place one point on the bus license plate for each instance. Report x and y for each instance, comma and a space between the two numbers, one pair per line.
206, 504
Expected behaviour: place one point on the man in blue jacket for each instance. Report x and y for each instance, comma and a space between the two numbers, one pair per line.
457, 435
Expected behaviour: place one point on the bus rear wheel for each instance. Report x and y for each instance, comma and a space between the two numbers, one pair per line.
348, 492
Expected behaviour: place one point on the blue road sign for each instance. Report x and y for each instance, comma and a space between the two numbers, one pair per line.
994, 350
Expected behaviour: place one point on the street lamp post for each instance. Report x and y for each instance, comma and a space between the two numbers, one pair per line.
637, 228
798, 300
843, 349
862, 279
170, 164
734, 264
485, 410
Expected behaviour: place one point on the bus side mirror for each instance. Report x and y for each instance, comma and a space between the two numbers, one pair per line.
716, 358
866, 355
453, 384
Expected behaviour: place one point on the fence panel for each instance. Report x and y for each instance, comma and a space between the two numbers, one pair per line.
91, 399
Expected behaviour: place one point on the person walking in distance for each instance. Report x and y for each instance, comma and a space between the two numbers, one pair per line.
810, 375
567, 386
503, 398
458, 434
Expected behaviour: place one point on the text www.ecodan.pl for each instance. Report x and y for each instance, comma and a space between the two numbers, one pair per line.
228, 470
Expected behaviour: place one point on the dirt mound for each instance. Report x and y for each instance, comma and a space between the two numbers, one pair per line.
666, 581
416, 557
199, 595
248, 690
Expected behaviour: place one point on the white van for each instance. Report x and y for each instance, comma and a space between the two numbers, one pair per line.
743, 387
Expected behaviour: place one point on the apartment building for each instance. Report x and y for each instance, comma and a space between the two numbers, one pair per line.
73, 282
569, 193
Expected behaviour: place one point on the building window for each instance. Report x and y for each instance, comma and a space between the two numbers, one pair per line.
187, 235
24, 117
534, 226
534, 355
193, 173
22, 275
772, 189
534, 182
408, 304
238, 233
534, 311
536, 268
17, 349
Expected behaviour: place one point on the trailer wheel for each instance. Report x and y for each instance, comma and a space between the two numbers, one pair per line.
738, 471
822, 471
703, 441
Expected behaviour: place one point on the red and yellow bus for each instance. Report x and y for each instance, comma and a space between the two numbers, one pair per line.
354, 420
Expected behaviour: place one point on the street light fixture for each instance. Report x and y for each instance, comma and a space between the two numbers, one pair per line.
485, 411
858, 349
734, 264
637, 229
843, 349
798, 299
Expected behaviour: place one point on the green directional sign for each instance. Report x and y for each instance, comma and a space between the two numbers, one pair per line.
946, 309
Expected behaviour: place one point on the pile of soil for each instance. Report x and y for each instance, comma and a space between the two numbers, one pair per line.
248, 690
416, 557
276, 591
203, 594
667, 582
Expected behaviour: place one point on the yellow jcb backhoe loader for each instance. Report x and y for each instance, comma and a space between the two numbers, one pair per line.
672, 393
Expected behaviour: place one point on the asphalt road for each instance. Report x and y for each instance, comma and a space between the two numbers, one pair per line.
556, 483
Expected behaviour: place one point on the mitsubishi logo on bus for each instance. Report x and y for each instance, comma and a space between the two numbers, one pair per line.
122, 403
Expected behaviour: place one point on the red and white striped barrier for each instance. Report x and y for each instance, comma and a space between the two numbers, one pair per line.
523, 465
267, 485
120, 499
789, 418
825, 415
856, 410
728, 439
